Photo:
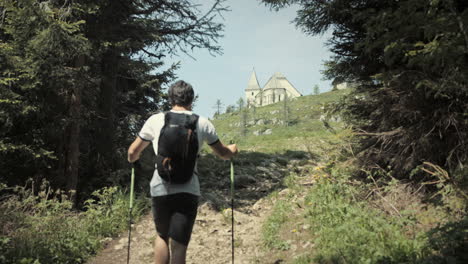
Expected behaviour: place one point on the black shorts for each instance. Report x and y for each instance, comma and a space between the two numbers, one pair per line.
174, 216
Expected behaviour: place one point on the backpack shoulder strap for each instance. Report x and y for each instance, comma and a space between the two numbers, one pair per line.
167, 117
193, 120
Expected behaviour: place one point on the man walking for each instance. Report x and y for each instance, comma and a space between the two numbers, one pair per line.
177, 137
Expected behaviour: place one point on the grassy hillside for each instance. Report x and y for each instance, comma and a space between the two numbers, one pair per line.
320, 212
303, 132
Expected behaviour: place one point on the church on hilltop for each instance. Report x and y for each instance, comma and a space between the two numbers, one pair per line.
275, 90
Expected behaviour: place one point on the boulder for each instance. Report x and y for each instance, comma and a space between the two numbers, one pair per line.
268, 132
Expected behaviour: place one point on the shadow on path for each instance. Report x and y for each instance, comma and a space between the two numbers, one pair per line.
256, 176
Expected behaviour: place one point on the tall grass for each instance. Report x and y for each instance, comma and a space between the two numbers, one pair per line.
347, 230
347, 226
44, 228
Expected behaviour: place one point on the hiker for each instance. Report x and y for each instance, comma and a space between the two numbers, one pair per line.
175, 197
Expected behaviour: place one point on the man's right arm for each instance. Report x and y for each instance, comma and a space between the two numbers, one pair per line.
224, 152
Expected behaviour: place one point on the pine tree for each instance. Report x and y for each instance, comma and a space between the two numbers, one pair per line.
230, 109
219, 107
243, 122
240, 104
79, 78
254, 113
316, 89
408, 59
286, 111
42, 50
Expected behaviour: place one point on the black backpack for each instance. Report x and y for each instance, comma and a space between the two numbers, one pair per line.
177, 147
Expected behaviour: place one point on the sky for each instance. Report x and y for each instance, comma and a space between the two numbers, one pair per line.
254, 37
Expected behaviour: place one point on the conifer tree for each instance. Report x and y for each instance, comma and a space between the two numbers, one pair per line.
286, 110
230, 109
408, 59
316, 89
240, 104
243, 122
254, 112
79, 78
218, 106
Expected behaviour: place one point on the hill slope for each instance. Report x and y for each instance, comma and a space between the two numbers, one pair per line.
263, 171
265, 128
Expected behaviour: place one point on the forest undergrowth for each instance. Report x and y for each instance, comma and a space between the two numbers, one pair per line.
355, 216
40, 225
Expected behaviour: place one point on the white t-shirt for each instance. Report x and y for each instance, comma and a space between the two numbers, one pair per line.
150, 132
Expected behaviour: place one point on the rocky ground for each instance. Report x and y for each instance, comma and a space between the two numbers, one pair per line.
256, 177
211, 239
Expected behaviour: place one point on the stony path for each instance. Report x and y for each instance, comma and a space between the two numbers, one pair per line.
211, 239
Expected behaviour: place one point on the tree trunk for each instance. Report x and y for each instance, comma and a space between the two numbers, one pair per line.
106, 124
72, 152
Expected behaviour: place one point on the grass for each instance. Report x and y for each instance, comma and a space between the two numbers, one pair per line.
305, 125
349, 231
44, 228
347, 225
271, 227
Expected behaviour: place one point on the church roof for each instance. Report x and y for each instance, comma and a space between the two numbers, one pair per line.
253, 83
278, 81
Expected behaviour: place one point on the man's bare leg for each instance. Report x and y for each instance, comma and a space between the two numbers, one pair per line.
178, 252
161, 251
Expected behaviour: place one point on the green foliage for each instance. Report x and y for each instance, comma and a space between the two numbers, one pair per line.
408, 59
449, 242
240, 104
107, 212
304, 126
35, 51
349, 231
230, 109
219, 107
243, 114
43, 228
79, 78
316, 89
286, 111
271, 227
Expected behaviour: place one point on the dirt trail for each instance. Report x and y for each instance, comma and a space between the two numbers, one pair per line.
210, 243
211, 237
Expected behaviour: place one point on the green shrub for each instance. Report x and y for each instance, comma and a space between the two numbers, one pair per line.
349, 231
44, 228
107, 213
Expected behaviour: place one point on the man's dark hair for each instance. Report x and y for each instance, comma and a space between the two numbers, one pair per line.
181, 93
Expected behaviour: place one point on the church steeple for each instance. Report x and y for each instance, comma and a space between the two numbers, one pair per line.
253, 82
253, 88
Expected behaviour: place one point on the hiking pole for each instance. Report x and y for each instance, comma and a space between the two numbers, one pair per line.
232, 207
130, 211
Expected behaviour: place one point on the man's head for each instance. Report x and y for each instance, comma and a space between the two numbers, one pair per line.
181, 93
